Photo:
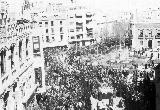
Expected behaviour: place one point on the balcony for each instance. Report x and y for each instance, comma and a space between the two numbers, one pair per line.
88, 15
79, 30
88, 21
78, 16
79, 24
140, 36
157, 36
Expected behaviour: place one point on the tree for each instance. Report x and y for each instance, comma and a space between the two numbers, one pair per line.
121, 31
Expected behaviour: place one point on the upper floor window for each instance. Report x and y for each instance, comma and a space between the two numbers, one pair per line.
61, 29
12, 56
157, 35
78, 16
40, 24
53, 38
60, 22
141, 42
158, 43
83, 43
46, 30
46, 24
52, 23
27, 46
71, 23
36, 45
72, 37
61, 37
71, 30
3, 62
47, 38
141, 34
78, 36
20, 50
52, 30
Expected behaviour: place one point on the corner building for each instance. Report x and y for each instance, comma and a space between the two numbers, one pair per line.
18, 80
146, 29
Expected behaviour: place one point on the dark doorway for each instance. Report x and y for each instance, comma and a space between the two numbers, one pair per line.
150, 44
6, 95
38, 76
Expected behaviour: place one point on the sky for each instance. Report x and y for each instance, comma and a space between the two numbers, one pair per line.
121, 4
108, 6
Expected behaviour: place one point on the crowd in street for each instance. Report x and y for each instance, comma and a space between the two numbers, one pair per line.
77, 81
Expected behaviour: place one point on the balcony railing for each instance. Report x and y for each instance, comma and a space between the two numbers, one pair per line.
140, 36
78, 16
157, 36
88, 15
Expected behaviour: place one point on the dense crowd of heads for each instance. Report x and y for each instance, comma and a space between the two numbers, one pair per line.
79, 78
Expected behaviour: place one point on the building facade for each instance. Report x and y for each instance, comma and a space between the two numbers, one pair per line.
146, 29
81, 23
24, 36
18, 80
53, 25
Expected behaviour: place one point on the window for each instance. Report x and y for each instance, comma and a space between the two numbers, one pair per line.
71, 30
46, 30
78, 37
71, 23
72, 37
38, 76
61, 29
36, 45
158, 35
20, 50
61, 37
12, 56
46, 24
60, 22
141, 34
3, 62
158, 43
40, 24
78, 44
0, 63
52, 23
47, 38
52, 30
141, 42
83, 43
78, 16
53, 38
27, 47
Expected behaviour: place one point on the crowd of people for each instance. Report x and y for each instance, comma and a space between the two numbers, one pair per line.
74, 78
